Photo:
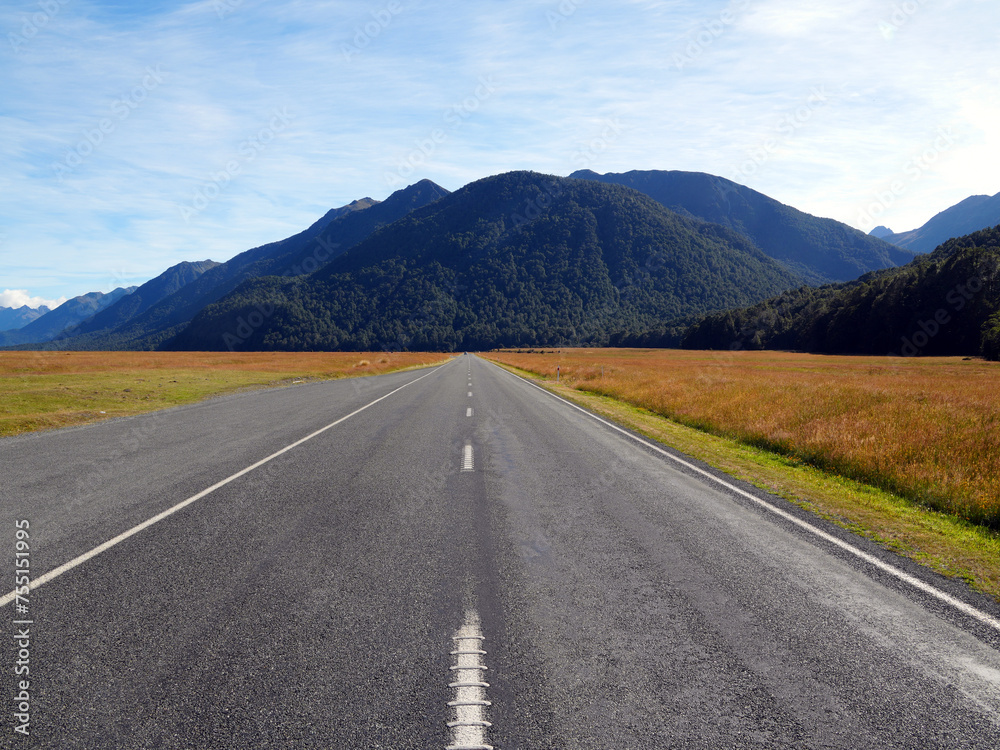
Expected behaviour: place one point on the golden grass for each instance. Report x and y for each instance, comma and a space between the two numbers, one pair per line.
925, 429
40, 390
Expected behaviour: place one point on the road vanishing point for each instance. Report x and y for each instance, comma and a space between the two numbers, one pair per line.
455, 558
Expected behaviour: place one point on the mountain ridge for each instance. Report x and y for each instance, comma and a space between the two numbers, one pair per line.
820, 250
513, 259
301, 253
973, 214
68, 314
13, 318
143, 298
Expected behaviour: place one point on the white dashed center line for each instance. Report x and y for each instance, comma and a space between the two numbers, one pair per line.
468, 412
468, 730
470, 394
467, 464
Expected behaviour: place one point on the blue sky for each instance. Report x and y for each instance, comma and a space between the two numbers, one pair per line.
138, 135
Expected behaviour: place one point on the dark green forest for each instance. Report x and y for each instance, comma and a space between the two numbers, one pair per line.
944, 303
520, 259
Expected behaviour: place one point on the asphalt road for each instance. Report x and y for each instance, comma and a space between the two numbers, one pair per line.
615, 598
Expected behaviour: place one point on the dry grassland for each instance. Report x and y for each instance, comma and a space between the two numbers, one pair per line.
925, 429
40, 390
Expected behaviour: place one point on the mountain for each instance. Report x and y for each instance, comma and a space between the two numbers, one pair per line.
944, 303
971, 215
515, 259
12, 318
819, 250
881, 232
302, 253
143, 298
65, 316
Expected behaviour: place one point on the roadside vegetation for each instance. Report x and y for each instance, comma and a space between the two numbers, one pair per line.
906, 451
40, 390
925, 429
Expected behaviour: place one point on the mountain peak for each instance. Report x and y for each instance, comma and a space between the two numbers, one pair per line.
70, 313
967, 216
360, 204
818, 249
418, 194
512, 259
12, 318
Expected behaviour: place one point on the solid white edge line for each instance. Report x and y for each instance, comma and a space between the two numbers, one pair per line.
79, 560
901, 575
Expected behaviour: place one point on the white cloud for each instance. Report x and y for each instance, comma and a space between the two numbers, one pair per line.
19, 298
796, 20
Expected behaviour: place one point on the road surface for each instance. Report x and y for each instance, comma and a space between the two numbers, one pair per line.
354, 556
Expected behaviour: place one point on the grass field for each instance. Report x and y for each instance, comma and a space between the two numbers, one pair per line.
927, 430
40, 390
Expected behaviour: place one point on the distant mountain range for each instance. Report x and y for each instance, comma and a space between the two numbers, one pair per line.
517, 259
68, 314
944, 303
96, 312
142, 299
303, 253
971, 215
12, 318
818, 250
